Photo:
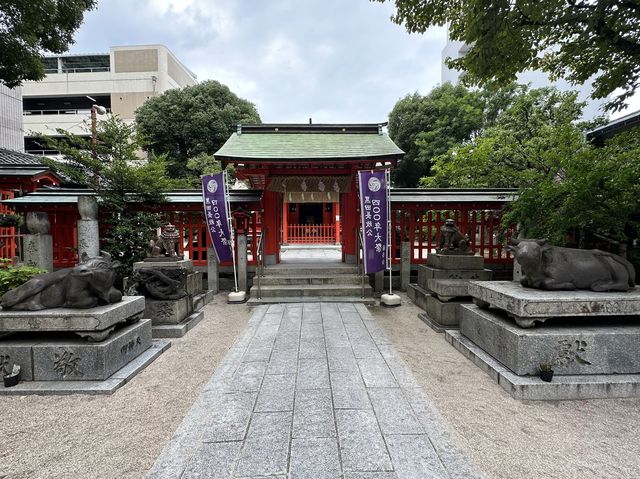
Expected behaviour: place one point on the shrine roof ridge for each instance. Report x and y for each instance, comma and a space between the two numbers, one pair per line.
372, 128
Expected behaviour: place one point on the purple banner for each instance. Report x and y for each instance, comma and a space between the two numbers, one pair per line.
215, 212
373, 209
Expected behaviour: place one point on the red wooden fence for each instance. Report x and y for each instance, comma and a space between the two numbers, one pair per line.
420, 225
307, 234
8, 236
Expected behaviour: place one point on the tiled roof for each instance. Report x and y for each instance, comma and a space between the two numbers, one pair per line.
330, 142
16, 158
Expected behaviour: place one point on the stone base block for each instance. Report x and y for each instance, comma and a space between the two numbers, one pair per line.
600, 346
528, 305
65, 357
77, 320
443, 313
177, 330
418, 295
186, 264
427, 272
109, 386
530, 388
438, 328
455, 262
447, 289
168, 311
201, 300
194, 283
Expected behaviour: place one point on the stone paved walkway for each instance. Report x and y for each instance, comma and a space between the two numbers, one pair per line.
312, 391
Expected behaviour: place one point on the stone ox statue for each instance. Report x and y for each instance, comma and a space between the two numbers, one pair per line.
86, 285
555, 268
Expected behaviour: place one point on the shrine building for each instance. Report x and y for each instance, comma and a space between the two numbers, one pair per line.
307, 174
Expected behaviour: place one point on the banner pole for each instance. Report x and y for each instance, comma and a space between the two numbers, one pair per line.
233, 237
387, 178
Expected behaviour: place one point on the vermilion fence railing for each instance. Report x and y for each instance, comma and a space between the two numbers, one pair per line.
420, 226
8, 238
306, 234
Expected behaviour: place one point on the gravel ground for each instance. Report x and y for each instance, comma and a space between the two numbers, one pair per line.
516, 439
120, 436
116, 436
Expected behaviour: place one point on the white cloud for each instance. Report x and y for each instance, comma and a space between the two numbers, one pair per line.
281, 52
215, 16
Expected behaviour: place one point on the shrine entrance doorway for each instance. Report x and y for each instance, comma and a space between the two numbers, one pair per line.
310, 223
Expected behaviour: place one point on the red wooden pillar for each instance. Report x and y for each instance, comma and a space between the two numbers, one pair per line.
271, 226
336, 216
285, 222
350, 223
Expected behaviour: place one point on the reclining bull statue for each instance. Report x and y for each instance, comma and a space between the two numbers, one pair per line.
86, 285
556, 268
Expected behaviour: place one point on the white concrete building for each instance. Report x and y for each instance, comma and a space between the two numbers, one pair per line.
537, 79
11, 134
120, 81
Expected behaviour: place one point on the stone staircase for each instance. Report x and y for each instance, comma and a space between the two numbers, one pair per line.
309, 283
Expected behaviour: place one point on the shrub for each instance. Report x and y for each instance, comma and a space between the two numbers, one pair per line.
13, 277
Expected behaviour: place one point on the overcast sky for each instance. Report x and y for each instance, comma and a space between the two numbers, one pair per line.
332, 60
336, 61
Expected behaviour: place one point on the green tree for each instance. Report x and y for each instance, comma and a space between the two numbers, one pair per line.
514, 150
121, 178
30, 28
575, 40
587, 192
195, 120
427, 126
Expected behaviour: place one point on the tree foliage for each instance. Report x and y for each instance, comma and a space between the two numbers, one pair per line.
575, 40
427, 126
587, 192
568, 190
120, 177
30, 28
514, 150
192, 121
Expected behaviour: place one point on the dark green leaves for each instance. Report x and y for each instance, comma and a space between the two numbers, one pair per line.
30, 28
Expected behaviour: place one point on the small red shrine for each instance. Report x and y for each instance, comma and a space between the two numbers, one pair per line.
308, 175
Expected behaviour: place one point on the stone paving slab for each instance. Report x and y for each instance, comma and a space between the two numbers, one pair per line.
313, 391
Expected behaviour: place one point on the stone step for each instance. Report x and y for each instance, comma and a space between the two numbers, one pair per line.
310, 269
285, 290
312, 299
311, 278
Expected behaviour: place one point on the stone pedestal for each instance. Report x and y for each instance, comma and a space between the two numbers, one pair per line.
528, 306
88, 230
38, 251
598, 346
590, 340
443, 286
174, 317
213, 282
62, 345
88, 238
172, 311
38, 244
94, 322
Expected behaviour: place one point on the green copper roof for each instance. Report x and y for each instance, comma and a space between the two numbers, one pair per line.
314, 144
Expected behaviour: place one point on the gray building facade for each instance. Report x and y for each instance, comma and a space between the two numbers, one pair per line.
11, 134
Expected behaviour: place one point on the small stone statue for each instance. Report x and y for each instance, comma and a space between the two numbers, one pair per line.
452, 241
86, 285
556, 268
160, 284
166, 244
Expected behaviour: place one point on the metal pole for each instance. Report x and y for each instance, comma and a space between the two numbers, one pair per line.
233, 249
387, 178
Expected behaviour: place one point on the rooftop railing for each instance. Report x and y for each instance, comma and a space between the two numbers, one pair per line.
70, 111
